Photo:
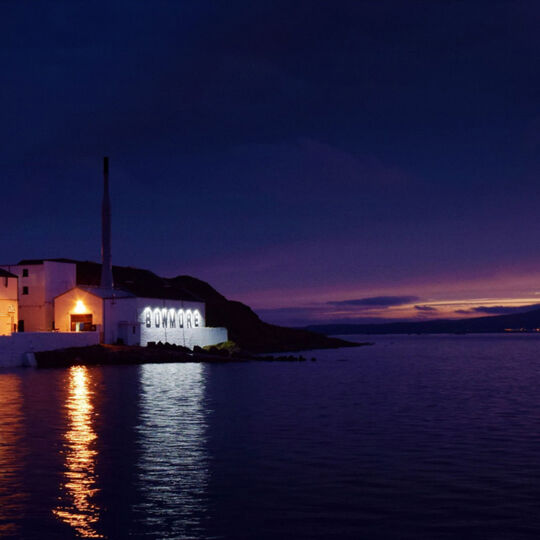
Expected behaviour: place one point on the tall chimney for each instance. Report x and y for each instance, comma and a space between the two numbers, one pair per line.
106, 262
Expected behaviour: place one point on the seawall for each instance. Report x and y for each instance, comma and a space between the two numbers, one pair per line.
13, 348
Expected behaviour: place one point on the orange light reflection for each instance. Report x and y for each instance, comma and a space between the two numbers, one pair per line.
78, 509
11, 454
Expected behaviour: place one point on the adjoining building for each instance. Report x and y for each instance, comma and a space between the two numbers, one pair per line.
8, 302
39, 282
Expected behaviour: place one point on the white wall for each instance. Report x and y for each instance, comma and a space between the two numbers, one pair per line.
120, 317
168, 321
14, 347
59, 278
204, 336
126, 318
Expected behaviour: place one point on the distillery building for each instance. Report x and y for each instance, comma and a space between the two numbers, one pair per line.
122, 304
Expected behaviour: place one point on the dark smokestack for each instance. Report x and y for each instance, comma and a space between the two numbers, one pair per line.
106, 261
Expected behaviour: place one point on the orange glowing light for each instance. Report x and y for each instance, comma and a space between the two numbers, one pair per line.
12, 453
80, 308
77, 508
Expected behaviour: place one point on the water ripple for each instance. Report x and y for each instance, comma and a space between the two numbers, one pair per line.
76, 504
172, 466
12, 454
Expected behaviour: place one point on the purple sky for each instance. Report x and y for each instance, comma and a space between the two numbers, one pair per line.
305, 157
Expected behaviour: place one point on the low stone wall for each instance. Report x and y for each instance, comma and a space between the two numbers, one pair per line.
13, 348
190, 337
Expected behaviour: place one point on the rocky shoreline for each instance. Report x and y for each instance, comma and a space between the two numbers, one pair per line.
97, 355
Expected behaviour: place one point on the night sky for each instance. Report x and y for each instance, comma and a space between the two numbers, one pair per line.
321, 161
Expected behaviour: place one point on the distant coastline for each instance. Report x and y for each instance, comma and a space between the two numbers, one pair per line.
528, 321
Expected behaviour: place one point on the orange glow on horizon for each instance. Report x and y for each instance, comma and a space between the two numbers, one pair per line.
437, 309
11, 454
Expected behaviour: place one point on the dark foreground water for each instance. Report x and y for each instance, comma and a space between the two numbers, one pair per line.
417, 437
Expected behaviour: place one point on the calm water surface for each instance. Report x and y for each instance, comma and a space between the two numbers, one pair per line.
416, 437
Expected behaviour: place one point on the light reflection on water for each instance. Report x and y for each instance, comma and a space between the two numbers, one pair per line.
11, 454
172, 468
77, 507
416, 437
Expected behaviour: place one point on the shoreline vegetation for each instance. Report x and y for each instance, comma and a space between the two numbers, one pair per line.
158, 353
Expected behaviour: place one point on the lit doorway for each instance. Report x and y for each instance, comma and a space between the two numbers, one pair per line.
81, 323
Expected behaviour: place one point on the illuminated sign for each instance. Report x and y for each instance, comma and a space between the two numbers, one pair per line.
172, 318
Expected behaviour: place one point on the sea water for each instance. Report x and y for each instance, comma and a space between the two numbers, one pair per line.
430, 437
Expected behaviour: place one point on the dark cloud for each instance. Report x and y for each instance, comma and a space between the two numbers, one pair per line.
377, 301
497, 310
426, 309
502, 310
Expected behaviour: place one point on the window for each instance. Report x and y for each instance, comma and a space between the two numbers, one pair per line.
25, 272
25, 290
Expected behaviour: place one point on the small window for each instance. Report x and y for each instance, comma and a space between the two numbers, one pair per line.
25, 272
25, 290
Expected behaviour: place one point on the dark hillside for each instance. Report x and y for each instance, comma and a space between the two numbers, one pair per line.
246, 328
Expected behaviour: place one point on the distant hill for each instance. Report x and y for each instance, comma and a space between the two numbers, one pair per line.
527, 321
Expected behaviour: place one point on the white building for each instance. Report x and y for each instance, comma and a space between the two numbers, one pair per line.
8, 302
67, 296
122, 317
